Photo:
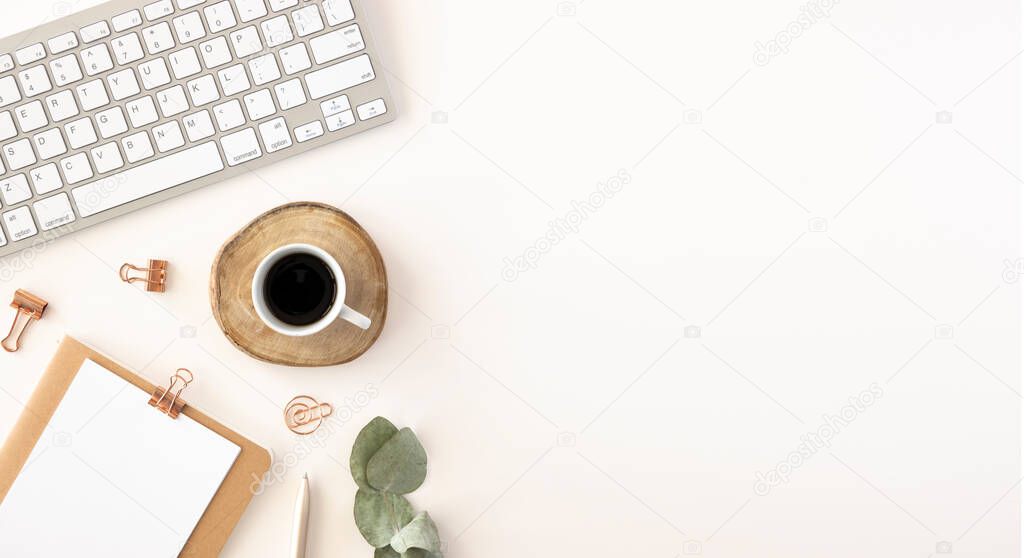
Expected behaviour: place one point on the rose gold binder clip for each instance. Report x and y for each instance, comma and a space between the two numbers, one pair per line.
155, 278
167, 400
304, 415
29, 308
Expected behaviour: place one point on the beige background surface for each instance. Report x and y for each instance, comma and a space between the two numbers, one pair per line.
792, 234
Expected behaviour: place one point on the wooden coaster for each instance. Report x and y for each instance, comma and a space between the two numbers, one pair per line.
311, 223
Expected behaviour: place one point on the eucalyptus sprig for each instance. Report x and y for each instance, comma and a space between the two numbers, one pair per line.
388, 463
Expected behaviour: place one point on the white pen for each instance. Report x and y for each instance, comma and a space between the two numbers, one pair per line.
301, 520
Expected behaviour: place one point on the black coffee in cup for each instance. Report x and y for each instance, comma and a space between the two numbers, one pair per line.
300, 289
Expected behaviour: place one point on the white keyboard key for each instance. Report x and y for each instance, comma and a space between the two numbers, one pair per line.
246, 41
336, 44
309, 131
203, 90
107, 157
307, 20
31, 117
123, 84
15, 189
277, 31
189, 27
172, 101
80, 133
154, 74
249, 10
6, 63
275, 135
334, 106
264, 69
76, 168
127, 49
111, 122
338, 11
20, 224
19, 154
229, 115
144, 180
168, 136
95, 32
54, 212
127, 20
35, 81
290, 94
186, 4
295, 58
372, 109
66, 70
62, 106
339, 77
141, 112
185, 63
233, 80
30, 54
50, 144
198, 126
137, 147
46, 179
241, 147
215, 52
278, 5
259, 104
3, 239
96, 59
63, 43
219, 16
9, 92
341, 120
92, 95
159, 9
7, 128
158, 38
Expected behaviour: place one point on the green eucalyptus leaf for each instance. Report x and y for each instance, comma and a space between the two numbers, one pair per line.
399, 466
420, 533
369, 440
386, 552
419, 553
380, 516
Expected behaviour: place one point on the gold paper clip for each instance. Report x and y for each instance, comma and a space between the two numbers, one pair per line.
29, 308
303, 414
172, 406
155, 279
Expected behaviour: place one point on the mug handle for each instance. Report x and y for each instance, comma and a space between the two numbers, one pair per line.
354, 318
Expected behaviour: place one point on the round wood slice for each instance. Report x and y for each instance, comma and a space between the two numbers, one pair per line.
311, 223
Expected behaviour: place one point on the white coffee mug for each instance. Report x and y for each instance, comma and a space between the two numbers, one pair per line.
337, 310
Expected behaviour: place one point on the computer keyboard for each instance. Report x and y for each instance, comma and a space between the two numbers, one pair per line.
129, 103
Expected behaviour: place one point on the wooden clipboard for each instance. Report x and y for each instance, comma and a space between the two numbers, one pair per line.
228, 503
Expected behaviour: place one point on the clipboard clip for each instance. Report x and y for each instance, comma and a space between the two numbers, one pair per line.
29, 308
155, 275
166, 400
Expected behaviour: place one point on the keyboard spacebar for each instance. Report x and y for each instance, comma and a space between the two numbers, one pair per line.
150, 178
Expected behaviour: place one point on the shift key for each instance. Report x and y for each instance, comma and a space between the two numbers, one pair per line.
339, 77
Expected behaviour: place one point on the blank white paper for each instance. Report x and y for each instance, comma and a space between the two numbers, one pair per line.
113, 477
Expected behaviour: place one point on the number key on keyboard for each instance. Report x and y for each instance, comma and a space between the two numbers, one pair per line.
97, 59
9, 93
127, 49
219, 16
